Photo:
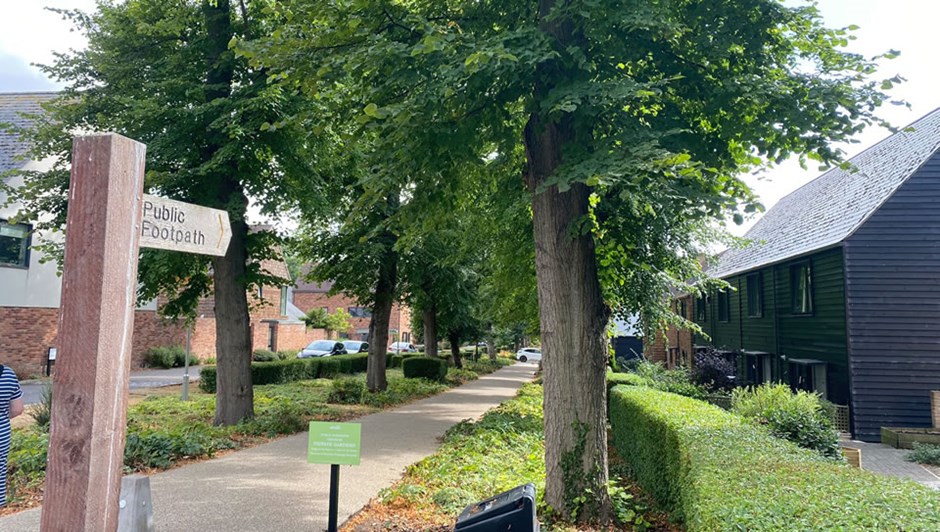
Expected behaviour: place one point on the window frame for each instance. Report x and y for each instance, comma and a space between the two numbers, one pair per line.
724, 305
283, 302
25, 246
798, 296
701, 308
758, 278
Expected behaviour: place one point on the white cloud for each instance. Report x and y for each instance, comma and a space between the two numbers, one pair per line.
29, 34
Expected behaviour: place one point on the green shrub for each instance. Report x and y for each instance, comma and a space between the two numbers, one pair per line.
263, 355
798, 417
394, 361
924, 453
165, 356
207, 379
348, 390
677, 381
714, 471
294, 369
424, 368
630, 379
160, 448
42, 412
281, 418
287, 355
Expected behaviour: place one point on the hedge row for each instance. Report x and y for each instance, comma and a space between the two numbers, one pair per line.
714, 471
434, 369
394, 361
291, 370
630, 379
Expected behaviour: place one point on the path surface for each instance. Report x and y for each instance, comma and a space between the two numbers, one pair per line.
143, 378
888, 461
272, 488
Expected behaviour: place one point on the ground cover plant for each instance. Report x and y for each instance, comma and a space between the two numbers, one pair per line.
714, 470
479, 459
163, 430
924, 453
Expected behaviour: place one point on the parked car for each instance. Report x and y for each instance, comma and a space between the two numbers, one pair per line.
402, 347
529, 353
355, 346
322, 348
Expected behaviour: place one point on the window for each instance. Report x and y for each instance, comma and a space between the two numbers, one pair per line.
359, 312
801, 288
283, 301
724, 306
755, 296
681, 308
701, 305
14, 244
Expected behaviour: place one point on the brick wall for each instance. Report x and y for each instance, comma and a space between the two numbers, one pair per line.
307, 301
26, 334
291, 335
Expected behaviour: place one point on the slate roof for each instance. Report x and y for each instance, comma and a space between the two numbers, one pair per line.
12, 106
827, 210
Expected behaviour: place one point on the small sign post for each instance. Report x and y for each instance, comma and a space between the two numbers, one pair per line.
334, 444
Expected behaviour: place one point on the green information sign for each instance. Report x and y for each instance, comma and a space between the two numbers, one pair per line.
334, 443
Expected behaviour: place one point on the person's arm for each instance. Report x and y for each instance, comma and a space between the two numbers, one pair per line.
16, 407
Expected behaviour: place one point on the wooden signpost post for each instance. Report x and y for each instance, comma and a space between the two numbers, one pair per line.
108, 219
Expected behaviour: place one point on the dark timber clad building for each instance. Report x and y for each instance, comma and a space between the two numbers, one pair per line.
840, 290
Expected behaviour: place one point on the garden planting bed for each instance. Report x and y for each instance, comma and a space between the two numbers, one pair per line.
904, 438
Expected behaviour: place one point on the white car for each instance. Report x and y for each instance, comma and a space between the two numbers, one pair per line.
529, 353
402, 347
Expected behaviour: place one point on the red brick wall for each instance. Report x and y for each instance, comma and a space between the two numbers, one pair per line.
26, 334
292, 336
307, 301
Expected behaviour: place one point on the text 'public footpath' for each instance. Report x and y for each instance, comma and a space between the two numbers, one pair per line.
160, 223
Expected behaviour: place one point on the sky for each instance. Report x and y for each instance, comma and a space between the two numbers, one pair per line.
29, 34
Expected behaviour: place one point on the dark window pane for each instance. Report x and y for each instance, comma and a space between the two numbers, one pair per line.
724, 306
14, 244
755, 296
801, 289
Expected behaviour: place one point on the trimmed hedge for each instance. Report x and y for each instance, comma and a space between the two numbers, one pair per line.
394, 361
281, 371
424, 368
714, 471
629, 379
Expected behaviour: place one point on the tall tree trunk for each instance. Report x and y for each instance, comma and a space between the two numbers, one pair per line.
429, 316
572, 312
454, 337
234, 394
382, 310
491, 343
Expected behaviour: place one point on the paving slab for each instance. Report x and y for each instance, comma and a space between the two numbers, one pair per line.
888, 461
271, 487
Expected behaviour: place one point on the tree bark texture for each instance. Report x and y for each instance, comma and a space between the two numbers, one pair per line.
491, 343
376, 380
454, 338
429, 316
234, 394
572, 312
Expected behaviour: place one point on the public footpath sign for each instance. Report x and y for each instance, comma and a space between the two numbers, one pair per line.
177, 226
334, 443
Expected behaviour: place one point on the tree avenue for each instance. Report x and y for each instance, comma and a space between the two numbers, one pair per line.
636, 120
162, 73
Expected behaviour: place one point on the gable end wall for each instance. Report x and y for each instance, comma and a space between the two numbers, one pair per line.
893, 307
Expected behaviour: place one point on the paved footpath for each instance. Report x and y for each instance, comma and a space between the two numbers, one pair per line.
888, 461
272, 488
